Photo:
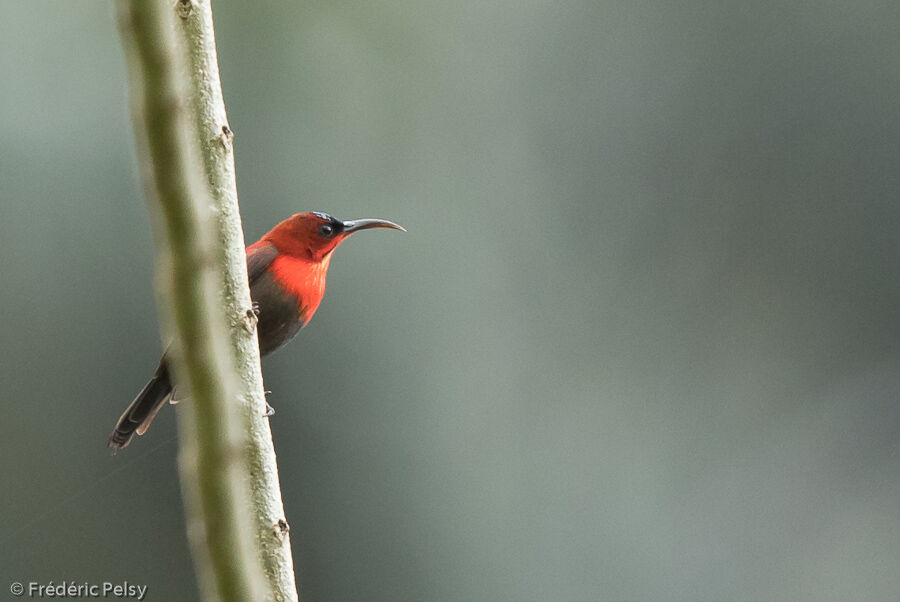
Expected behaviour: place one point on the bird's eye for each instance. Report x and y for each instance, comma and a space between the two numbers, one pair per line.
325, 230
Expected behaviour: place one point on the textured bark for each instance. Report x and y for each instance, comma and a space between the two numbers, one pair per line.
213, 454
195, 28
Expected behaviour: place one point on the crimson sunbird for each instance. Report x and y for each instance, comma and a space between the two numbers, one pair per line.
286, 269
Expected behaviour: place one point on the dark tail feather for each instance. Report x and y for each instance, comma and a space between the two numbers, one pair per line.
143, 409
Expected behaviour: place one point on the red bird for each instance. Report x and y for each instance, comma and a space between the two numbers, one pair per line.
286, 269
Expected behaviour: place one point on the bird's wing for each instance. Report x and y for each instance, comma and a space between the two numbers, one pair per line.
259, 256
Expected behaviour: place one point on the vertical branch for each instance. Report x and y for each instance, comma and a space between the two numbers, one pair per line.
194, 26
213, 445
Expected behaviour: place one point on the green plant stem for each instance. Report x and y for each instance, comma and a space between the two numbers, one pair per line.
213, 449
194, 26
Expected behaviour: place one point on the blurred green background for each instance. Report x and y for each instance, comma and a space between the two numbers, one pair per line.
640, 342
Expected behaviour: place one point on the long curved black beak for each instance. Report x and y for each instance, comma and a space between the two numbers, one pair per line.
354, 225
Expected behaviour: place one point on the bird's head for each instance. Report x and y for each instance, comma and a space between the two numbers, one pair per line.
313, 236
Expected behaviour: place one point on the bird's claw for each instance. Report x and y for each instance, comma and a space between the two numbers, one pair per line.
251, 318
270, 411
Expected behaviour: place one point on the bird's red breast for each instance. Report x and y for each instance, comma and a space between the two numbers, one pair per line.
303, 279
